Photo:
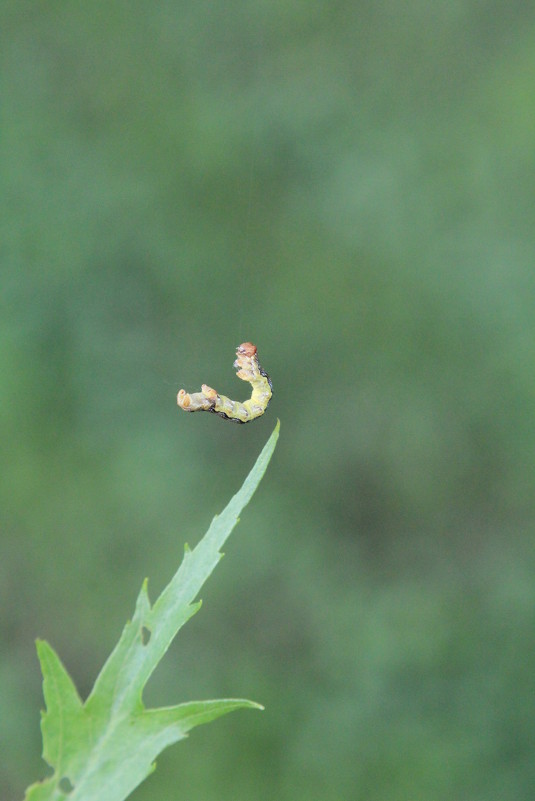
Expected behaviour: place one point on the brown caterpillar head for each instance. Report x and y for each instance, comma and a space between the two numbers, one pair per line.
246, 349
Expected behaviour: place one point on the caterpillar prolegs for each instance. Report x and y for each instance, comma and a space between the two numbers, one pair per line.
208, 400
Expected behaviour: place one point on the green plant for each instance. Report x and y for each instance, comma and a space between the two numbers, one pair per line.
105, 747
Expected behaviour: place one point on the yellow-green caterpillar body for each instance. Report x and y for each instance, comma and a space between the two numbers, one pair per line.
249, 369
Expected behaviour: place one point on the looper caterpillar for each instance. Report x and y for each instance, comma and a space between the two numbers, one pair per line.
208, 400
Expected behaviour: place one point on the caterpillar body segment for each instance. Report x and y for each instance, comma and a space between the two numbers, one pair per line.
249, 369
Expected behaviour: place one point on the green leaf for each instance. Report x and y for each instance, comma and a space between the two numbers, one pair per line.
104, 748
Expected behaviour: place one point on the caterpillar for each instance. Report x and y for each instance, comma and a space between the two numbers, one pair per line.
208, 400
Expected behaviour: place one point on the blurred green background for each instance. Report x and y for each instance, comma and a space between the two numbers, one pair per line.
351, 186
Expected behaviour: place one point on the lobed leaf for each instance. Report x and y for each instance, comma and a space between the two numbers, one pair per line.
104, 748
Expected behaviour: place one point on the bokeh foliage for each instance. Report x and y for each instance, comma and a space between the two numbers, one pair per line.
350, 185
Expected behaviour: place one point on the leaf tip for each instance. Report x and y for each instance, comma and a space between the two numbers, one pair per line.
44, 650
144, 594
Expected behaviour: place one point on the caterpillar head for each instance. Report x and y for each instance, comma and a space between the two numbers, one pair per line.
246, 349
